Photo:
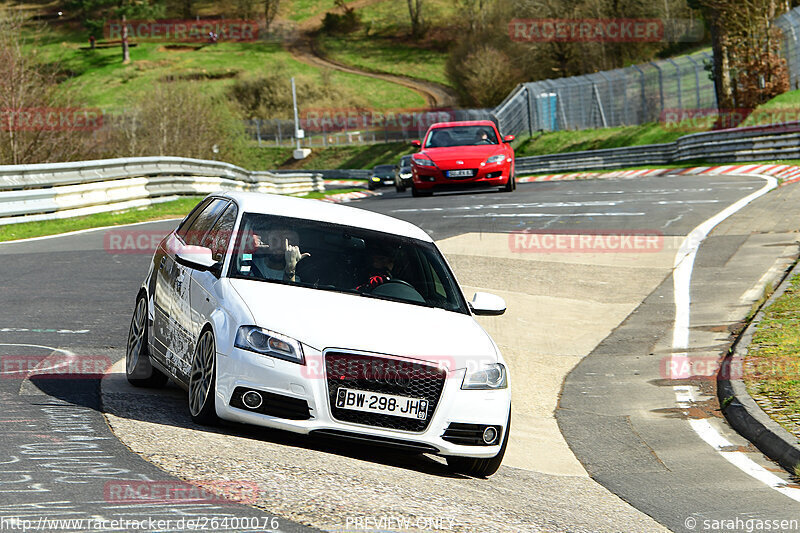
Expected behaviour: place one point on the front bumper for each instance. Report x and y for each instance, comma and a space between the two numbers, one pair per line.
242, 368
382, 182
434, 178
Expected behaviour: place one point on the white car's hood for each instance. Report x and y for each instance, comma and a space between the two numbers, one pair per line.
326, 319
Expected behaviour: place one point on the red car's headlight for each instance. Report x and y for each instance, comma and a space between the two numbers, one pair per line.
424, 162
495, 159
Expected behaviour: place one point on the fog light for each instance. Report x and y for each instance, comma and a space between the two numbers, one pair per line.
489, 435
252, 400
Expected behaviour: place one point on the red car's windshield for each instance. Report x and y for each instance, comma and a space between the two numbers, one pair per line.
461, 136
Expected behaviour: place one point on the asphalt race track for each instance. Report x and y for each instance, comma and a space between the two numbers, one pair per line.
612, 451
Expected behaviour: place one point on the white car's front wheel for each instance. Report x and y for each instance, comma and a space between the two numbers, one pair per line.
479, 467
202, 381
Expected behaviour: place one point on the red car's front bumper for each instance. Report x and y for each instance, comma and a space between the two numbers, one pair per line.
434, 178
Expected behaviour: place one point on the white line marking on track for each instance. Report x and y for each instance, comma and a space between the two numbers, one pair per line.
756, 291
43, 330
542, 215
65, 352
684, 395
87, 230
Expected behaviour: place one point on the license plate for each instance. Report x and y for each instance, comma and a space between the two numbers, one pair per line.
458, 173
385, 404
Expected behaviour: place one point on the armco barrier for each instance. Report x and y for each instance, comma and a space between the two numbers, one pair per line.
62, 190
757, 143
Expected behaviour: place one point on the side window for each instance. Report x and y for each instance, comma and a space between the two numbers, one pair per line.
220, 235
190, 218
204, 221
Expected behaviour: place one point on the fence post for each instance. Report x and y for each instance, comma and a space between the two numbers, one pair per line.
280, 137
530, 113
660, 86
258, 131
696, 79
678, 78
610, 85
643, 90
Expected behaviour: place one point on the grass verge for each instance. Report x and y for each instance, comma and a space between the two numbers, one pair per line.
26, 230
173, 209
362, 156
772, 367
575, 141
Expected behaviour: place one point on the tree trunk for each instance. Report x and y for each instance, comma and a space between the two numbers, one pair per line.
415, 12
723, 82
126, 54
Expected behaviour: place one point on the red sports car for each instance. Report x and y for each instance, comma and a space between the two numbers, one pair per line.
462, 155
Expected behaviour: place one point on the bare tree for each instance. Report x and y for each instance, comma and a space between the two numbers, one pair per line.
32, 108
177, 119
126, 53
270, 11
417, 20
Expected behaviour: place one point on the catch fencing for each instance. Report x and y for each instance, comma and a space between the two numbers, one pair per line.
336, 127
628, 96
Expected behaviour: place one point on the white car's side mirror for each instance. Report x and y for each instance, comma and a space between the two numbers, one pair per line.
487, 304
196, 257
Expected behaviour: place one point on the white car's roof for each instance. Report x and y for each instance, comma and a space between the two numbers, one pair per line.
288, 206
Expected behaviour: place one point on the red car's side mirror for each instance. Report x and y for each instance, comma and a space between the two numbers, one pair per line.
416, 143
508, 138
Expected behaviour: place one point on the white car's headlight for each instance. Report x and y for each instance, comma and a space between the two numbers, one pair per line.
495, 159
266, 342
491, 377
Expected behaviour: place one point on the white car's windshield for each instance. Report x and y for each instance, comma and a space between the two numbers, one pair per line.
345, 259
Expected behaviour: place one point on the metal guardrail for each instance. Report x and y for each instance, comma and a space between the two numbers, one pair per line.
333, 174
759, 143
61, 190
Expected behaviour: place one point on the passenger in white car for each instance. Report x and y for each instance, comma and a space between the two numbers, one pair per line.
276, 254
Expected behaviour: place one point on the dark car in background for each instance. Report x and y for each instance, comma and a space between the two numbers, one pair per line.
402, 174
381, 175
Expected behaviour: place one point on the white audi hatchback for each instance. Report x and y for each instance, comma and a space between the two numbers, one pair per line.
322, 319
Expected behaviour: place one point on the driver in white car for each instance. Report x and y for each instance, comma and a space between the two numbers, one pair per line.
380, 263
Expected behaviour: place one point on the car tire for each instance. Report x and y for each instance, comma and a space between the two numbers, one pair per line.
478, 467
416, 193
370, 186
138, 368
510, 185
203, 380
399, 187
